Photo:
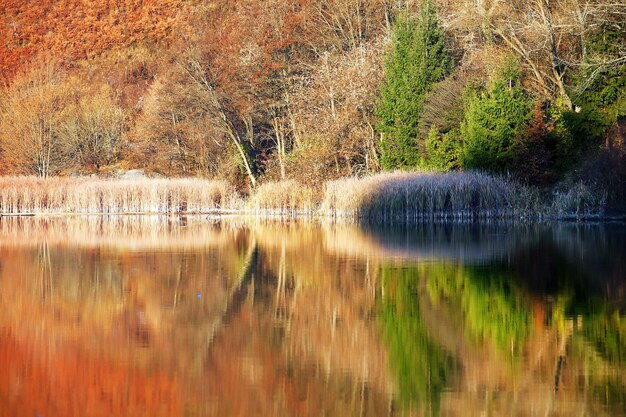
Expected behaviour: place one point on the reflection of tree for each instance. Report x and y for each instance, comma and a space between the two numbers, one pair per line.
281, 353
421, 366
293, 316
44, 272
326, 303
607, 332
492, 306
571, 351
602, 349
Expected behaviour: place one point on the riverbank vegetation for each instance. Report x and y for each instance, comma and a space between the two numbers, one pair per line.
430, 195
33, 195
413, 196
284, 97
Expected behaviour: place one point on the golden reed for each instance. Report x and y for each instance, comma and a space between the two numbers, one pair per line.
84, 195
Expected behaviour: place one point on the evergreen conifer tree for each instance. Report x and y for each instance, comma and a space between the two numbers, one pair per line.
493, 120
418, 59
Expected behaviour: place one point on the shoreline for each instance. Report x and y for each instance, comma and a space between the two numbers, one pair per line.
330, 218
394, 197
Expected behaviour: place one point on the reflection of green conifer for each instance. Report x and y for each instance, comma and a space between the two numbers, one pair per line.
606, 332
420, 366
493, 309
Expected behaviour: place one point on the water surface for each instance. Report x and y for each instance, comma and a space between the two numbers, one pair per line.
155, 316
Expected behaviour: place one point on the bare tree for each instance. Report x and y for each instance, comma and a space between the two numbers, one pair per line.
201, 76
91, 129
173, 134
31, 118
549, 36
334, 110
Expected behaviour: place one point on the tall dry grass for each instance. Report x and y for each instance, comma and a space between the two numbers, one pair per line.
379, 198
19, 195
579, 202
287, 198
429, 195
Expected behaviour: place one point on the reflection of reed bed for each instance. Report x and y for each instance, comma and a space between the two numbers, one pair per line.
593, 253
426, 241
122, 232
349, 240
426, 195
327, 302
97, 195
294, 236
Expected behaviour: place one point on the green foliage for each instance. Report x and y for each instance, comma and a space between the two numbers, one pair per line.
493, 119
418, 60
599, 94
603, 84
420, 366
443, 151
574, 133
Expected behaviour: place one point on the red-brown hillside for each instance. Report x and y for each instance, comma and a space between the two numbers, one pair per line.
76, 29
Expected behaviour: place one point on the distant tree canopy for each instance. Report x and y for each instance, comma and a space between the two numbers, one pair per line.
73, 30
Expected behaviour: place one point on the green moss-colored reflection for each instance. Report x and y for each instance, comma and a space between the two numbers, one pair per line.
607, 332
604, 331
492, 306
421, 367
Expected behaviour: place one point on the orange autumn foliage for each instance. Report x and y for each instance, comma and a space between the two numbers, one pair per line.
76, 29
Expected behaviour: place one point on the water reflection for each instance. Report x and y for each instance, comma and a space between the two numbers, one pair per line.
189, 317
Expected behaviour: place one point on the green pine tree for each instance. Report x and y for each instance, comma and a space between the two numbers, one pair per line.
493, 120
418, 59
443, 150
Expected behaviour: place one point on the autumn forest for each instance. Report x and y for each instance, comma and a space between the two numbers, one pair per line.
312, 208
260, 91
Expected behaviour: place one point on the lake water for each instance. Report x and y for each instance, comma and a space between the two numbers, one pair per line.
152, 316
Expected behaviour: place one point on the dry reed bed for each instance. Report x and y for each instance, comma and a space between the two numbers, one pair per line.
19, 195
578, 202
287, 198
388, 196
428, 195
